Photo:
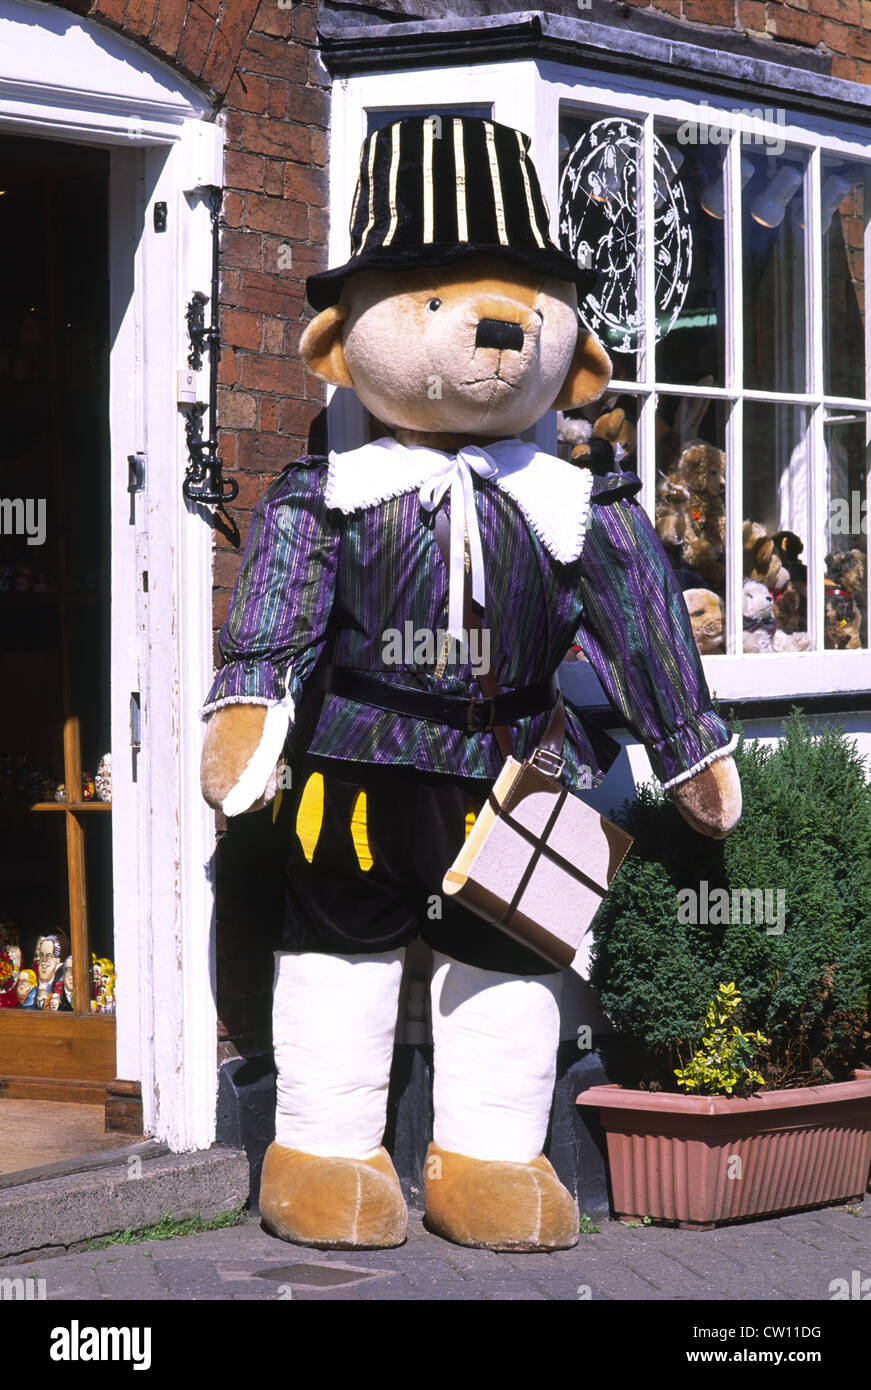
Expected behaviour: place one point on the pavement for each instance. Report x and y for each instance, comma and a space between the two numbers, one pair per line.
799, 1257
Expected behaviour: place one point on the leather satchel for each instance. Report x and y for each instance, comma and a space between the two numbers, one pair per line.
538, 860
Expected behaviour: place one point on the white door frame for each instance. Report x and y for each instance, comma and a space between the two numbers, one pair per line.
62, 78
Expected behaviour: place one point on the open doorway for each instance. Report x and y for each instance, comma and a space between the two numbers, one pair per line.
57, 974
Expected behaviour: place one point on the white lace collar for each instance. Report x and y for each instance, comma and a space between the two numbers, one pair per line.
553, 495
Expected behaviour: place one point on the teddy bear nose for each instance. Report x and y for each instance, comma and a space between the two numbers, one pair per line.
497, 333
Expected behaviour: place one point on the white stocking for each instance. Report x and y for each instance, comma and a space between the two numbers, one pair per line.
495, 1037
334, 1020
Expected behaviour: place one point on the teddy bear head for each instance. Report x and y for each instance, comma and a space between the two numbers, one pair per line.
702, 468
482, 347
843, 620
707, 615
847, 569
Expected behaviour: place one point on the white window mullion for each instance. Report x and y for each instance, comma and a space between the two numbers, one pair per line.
816, 451
735, 383
646, 280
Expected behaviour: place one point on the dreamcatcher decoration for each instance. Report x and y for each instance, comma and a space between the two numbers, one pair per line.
599, 218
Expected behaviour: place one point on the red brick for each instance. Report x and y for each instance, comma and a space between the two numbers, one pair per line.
305, 184
273, 374
237, 410
866, 13
229, 289
319, 148
242, 330
273, 336
670, 6
195, 39
224, 53
274, 58
859, 45
220, 605
318, 226
270, 293
845, 11
112, 10
305, 25
247, 92
796, 27
295, 417
225, 569
718, 12
273, 177
845, 68
277, 138
308, 105
227, 368
241, 248
268, 414
307, 260
251, 485
276, 100
168, 25
276, 215
835, 36
267, 453
243, 170
232, 209
751, 15
272, 19
139, 16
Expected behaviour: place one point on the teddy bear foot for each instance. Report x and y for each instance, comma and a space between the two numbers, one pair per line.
497, 1205
332, 1203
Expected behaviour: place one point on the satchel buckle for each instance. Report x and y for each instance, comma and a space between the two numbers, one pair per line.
548, 762
471, 726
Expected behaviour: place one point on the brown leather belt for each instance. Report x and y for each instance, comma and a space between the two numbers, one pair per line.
470, 716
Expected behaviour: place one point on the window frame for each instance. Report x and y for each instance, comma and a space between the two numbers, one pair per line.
531, 94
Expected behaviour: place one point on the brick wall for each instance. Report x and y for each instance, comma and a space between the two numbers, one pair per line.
257, 62
839, 28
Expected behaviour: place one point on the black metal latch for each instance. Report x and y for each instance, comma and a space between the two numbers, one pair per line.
204, 480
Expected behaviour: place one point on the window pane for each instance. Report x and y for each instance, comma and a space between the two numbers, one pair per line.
599, 228
690, 512
843, 206
846, 622
34, 904
774, 273
776, 475
690, 254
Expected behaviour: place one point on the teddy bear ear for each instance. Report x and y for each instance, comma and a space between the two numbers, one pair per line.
588, 374
320, 346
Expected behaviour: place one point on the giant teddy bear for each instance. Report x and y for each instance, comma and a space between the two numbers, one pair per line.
455, 321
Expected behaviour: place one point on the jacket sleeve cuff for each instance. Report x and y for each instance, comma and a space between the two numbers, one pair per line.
247, 682
693, 746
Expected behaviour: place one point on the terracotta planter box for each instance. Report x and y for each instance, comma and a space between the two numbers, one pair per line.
670, 1157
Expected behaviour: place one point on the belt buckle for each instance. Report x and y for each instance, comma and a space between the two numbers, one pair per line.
470, 709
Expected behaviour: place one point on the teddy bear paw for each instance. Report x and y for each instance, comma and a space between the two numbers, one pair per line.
332, 1203
497, 1205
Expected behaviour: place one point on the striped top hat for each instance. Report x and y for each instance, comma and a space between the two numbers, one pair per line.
434, 189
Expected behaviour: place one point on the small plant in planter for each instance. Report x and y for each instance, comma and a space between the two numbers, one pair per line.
721, 1067
782, 910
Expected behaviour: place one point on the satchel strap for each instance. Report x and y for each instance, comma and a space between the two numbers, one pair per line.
554, 735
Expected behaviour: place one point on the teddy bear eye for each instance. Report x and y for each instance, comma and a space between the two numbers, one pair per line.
434, 304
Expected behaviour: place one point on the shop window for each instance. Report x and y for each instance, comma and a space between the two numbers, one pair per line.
731, 298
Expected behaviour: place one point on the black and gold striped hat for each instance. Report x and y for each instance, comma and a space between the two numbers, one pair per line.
433, 189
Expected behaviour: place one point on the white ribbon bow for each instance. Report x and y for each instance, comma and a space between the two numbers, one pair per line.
456, 474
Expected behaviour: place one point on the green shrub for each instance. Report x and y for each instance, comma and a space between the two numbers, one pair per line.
805, 830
